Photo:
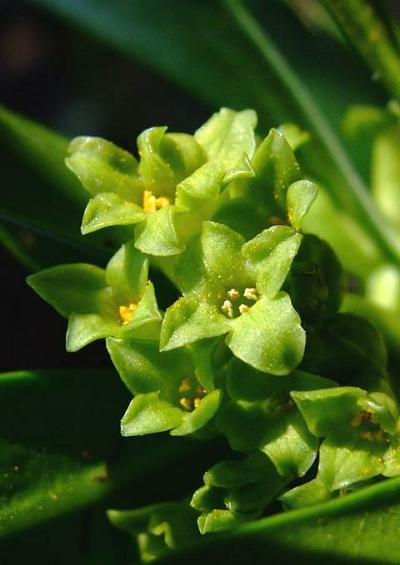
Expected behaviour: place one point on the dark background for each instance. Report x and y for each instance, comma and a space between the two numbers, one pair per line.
50, 72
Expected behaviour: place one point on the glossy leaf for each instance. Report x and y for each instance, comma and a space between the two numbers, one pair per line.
65, 455
43, 198
361, 526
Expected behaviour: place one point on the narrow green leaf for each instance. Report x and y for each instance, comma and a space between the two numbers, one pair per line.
43, 197
65, 454
362, 526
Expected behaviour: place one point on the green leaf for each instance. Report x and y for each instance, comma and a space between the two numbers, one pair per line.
65, 452
44, 203
385, 174
269, 336
383, 287
362, 526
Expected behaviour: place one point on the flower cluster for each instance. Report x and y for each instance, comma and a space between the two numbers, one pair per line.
254, 348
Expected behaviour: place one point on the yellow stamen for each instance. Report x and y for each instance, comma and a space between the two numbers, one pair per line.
186, 403
243, 308
184, 386
251, 293
197, 402
153, 203
126, 313
227, 308
233, 294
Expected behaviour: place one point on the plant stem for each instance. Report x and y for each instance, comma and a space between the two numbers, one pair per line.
361, 25
348, 189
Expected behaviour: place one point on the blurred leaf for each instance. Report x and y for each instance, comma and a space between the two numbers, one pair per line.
357, 528
64, 451
42, 202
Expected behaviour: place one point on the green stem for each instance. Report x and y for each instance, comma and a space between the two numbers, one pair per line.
349, 189
361, 25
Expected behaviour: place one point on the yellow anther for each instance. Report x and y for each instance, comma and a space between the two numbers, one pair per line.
153, 203
126, 313
227, 308
233, 294
186, 403
197, 402
184, 386
251, 294
243, 308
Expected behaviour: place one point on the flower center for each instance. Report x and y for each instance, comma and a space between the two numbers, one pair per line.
190, 394
369, 426
153, 203
237, 303
126, 313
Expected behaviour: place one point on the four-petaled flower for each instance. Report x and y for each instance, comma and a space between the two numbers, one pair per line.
175, 185
233, 287
172, 391
118, 301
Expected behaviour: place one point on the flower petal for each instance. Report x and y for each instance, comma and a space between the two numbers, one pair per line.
109, 209
148, 414
269, 336
101, 166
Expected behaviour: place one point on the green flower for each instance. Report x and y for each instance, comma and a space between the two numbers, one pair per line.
174, 187
118, 301
235, 492
361, 434
172, 391
258, 413
159, 529
233, 287
276, 191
